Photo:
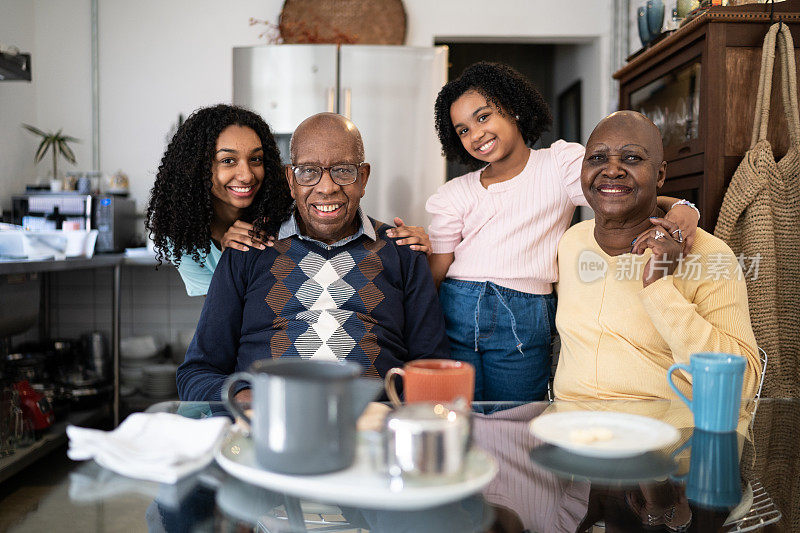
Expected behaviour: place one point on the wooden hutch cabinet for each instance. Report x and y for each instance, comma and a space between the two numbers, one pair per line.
699, 85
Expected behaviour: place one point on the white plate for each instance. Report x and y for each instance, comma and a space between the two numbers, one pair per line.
136, 365
143, 347
630, 434
166, 370
360, 485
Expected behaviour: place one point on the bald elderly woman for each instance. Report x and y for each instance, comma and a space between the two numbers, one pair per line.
629, 305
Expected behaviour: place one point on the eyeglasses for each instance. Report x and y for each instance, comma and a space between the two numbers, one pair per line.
341, 174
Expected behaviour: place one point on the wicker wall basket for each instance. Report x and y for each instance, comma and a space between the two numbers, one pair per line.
343, 21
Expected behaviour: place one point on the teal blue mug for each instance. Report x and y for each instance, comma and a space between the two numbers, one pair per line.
713, 478
716, 389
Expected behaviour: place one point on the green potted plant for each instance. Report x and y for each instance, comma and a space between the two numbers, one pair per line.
55, 141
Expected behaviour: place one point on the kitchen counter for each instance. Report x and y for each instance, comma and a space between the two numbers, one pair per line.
72, 263
47, 269
113, 261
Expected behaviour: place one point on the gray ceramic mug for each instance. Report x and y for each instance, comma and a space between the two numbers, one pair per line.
304, 412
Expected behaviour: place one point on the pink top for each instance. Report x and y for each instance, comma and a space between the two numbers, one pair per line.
508, 234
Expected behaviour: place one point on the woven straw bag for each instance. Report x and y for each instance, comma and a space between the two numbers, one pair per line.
760, 217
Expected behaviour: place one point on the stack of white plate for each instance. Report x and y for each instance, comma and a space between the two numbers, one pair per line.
159, 381
135, 354
131, 378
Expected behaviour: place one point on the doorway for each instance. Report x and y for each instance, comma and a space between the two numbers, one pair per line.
551, 67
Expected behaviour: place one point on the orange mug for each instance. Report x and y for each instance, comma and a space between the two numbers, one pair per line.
432, 380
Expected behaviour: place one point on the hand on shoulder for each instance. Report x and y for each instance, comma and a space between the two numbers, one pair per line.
415, 237
241, 236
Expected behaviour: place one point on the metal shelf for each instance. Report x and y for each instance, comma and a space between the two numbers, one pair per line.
115, 262
52, 439
52, 265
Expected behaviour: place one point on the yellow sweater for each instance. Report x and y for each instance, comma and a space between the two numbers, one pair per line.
618, 339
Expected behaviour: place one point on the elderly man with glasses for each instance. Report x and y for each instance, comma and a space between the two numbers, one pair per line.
333, 286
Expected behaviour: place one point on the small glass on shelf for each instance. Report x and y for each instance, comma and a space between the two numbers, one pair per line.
672, 102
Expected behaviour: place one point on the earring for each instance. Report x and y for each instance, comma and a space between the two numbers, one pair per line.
516, 117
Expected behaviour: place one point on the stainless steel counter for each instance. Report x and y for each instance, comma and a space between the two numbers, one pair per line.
53, 265
73, 263
113, 261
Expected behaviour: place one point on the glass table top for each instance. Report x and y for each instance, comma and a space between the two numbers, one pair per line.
703, 482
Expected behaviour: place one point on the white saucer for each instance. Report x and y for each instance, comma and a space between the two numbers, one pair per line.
630, 434
358, 486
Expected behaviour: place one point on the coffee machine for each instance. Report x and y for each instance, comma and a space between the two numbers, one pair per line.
114, 217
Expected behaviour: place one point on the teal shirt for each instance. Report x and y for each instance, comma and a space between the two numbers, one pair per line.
197, 278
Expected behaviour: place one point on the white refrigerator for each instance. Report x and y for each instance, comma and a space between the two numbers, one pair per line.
387, 91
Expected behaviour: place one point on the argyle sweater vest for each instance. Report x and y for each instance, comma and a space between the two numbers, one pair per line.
324, 300
370, 302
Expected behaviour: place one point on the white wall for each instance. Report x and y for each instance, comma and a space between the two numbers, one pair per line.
587, 63
159, 58
17, 103
62, 63
511, 20
581, 62
58, 36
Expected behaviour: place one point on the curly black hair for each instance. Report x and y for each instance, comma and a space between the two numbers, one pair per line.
503, 86
180, 209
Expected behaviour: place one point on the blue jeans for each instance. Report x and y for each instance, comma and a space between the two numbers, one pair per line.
505, 334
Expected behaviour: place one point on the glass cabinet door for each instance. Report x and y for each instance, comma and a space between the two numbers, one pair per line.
672, 102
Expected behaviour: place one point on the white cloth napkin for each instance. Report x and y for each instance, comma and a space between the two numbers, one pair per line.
160, 447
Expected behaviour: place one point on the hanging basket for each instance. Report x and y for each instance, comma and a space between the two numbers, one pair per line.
343, 22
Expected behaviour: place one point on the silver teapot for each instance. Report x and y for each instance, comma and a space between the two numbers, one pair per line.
426, 441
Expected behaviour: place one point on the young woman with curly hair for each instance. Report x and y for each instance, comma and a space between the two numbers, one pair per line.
495, 231
220, 185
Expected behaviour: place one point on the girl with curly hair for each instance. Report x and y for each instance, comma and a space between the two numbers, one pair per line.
220, 185
494, 231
